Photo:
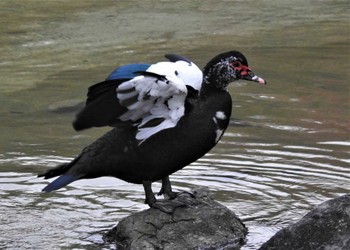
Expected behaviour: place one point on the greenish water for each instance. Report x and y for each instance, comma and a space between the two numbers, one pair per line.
287, 148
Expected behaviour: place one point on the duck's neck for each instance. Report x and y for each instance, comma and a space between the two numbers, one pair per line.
217, 76
213, 84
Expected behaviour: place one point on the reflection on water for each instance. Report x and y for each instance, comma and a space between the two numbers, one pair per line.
287, 148
267, 185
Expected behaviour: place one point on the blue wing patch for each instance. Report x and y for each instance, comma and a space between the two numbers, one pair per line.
128, 71
61, 181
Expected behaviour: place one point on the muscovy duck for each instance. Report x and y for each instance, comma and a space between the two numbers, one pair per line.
165, 116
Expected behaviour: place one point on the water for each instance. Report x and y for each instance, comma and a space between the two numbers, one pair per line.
286, 150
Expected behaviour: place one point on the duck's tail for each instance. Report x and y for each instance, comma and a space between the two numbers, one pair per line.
60, 182
64, 178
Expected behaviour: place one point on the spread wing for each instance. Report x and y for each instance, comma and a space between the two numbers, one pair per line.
151, 97
156, 101
102, 108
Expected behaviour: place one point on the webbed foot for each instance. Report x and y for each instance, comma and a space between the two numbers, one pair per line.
167, 206
166, 190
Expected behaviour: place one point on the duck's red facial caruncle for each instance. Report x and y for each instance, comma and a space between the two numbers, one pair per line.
244, 72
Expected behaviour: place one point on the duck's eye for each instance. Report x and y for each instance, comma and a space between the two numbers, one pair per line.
235, 64
176, 73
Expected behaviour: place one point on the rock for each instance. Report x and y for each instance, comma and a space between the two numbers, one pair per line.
200, 223
326, 227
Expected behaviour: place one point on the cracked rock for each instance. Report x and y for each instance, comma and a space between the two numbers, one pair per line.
201, 223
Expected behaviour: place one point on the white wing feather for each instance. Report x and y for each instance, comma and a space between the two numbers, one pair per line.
149, 97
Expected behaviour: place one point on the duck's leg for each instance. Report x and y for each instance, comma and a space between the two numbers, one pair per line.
166, 189
166, 206
150, 198
168, 192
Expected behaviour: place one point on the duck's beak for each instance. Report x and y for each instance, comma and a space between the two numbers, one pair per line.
259, 80
250, 76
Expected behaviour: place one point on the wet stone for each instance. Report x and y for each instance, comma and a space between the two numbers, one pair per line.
200, 223
325, 227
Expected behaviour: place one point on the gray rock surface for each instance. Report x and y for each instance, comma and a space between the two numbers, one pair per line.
326, 227
197, 222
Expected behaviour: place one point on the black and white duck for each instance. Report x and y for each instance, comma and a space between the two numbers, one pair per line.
164, 116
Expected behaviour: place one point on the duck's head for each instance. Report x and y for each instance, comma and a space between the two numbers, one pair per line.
227, 67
